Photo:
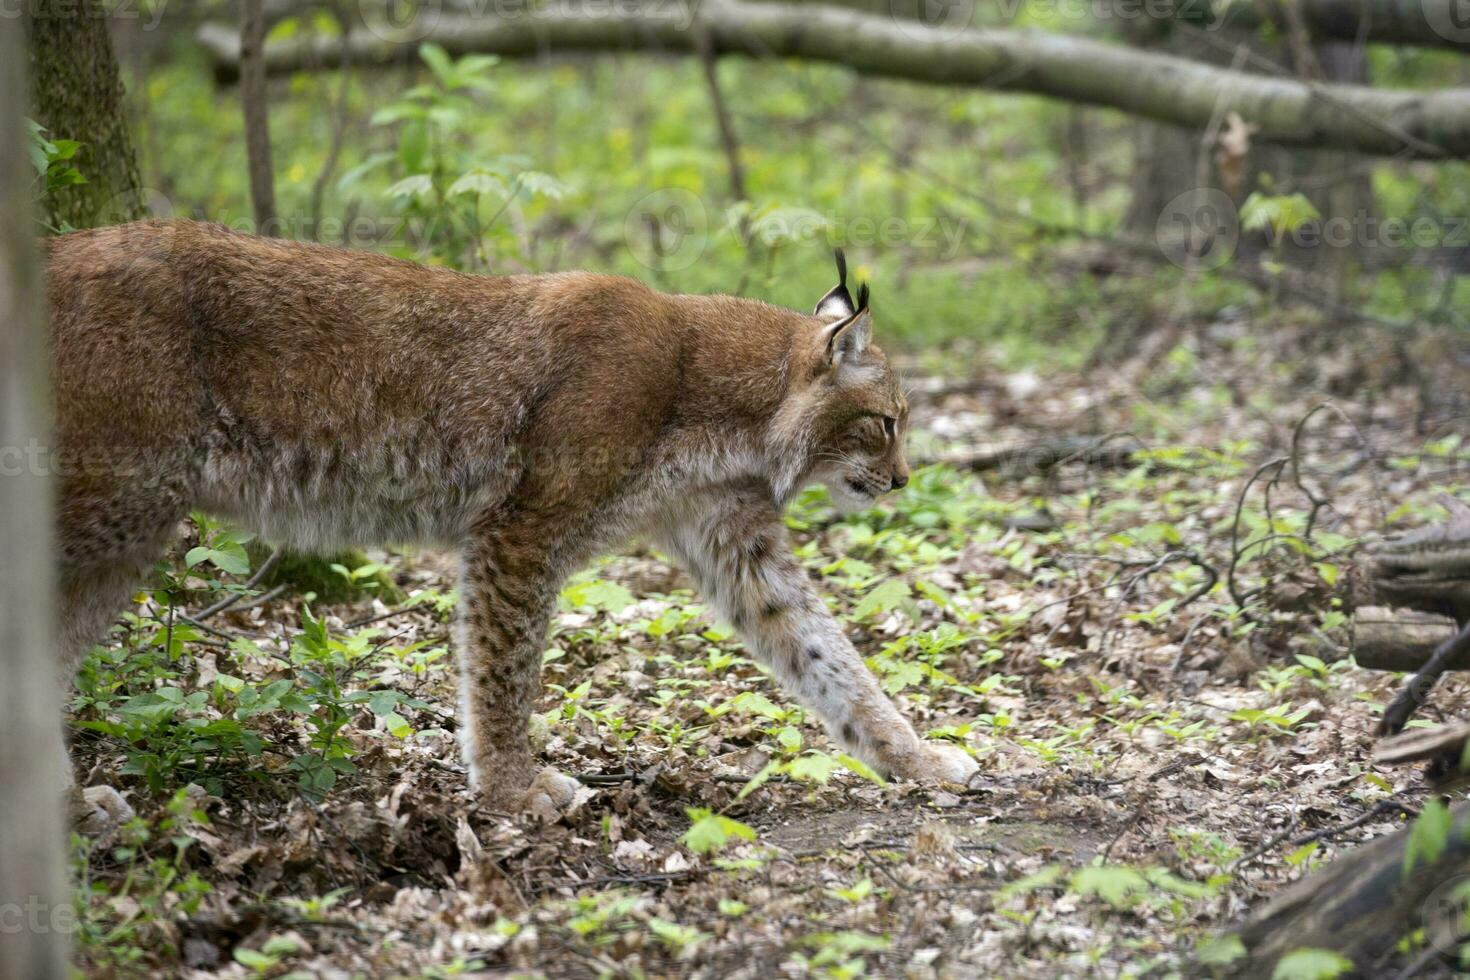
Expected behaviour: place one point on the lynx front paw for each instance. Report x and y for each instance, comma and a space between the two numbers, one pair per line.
947, 763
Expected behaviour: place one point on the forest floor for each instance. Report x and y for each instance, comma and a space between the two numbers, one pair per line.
1168, 724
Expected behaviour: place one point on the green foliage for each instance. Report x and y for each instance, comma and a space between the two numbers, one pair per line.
52, 161
122, 917
456, 199
1311, 964
710, 832
1280, 213
1429, 836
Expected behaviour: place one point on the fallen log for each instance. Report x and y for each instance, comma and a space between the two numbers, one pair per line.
1363, 903
1427, 568
1432, 123
1400, 640
1419, 744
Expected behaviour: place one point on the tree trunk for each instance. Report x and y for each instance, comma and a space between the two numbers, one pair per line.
1407, 123
78, 95
32, 826
257, 117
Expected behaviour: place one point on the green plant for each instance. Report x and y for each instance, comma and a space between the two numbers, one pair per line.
456, 200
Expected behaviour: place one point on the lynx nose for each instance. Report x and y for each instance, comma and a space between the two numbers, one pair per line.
900, 480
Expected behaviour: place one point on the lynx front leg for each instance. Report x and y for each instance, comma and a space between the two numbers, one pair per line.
509, 587
737, 552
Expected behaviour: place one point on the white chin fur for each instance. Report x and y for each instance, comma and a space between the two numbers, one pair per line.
845, 498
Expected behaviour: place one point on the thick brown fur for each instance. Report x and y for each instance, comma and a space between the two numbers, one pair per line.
323, 398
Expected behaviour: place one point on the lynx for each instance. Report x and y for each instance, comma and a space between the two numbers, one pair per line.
325, 398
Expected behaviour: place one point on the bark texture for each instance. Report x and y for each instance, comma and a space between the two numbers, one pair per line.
32, 826
78, 95
1363, 903
257, 116
1154, 86
1400, 640
1425, 23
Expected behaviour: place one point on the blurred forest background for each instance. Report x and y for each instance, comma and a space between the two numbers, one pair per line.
1181, 289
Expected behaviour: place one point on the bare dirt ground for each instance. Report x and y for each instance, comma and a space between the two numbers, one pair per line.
1167, 725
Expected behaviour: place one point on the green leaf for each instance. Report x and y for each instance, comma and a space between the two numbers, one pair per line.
610, 597
883, 598
417, 185
1219, 950
439, 63
1311, 964
477, 182
254, 960
1428, 836
710, 832
814, 767
860, 767
1044, 878
760, 779
674, 935
759, 704
1117, 884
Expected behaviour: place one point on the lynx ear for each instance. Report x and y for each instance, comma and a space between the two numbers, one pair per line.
837, 304
848, 338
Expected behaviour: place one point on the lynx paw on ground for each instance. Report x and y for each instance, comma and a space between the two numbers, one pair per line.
104, 810
949, 764
553, 796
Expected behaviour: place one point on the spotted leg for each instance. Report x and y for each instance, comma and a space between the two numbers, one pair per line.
736, 550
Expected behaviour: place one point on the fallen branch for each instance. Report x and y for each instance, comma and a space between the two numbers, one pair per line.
1362, 904
1155, 86
1419, 744
1416, 690
1031, 458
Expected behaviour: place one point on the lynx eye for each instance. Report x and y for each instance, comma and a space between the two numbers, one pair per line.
890, 426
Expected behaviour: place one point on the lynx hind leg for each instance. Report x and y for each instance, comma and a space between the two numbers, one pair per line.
91, 599
508, 591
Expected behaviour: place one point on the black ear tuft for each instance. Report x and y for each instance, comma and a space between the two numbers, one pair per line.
837, 303
862, 303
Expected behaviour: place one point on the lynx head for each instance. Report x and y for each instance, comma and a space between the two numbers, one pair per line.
846, 403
